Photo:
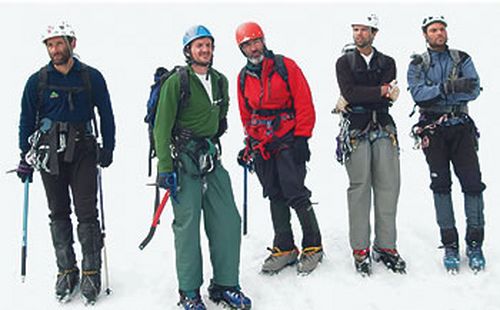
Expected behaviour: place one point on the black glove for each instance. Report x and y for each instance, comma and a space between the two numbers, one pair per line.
242, 161
222, 128
461, 85
301, 152
24, 171
105, 157
246, 161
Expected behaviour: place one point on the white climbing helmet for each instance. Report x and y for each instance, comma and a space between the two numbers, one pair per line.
433, 19
370, 21
58, 30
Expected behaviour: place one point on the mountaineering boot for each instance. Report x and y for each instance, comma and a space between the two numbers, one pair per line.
391, 259
68, 275
278, 260
67, 284
191, 300
90, 286
363, 262
451, 259
230, 296
309, 259
476, 258
90, 238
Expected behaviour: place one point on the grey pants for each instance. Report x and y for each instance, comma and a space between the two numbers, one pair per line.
373, 165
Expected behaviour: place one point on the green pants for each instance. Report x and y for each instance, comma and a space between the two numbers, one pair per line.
213, 194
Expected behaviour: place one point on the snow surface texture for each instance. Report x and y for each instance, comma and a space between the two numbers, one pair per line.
128, 41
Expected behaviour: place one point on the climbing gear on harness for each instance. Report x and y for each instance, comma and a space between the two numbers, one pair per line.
426, 127
53, 138
348, 139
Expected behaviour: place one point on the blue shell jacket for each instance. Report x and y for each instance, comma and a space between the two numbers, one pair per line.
428, 90
55, 105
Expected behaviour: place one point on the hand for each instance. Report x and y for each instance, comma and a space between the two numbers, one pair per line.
393, 92
301, 152
24, 171
341, 106
222, 128
168, 181
242, 158
105, 157
245, 160
461, 85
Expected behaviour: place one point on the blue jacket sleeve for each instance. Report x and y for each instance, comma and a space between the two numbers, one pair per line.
421, 92
103, 103
28, 112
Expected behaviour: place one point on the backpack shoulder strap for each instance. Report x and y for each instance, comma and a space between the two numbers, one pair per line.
241, 85
457, 58
43, 77
351, 59
184, 81
221, 85
426, 61
280, 68
87, 85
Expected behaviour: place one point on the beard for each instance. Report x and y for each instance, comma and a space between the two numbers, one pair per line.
363, 43
256, 59
435, 44
61, 58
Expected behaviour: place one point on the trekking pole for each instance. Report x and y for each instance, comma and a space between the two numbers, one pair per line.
24, 247
156, 219
245, 198
103, 229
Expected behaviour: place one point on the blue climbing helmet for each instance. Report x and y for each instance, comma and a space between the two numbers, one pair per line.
196, 32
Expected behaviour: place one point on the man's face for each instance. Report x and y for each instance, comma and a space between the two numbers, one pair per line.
363, 36
59, 50
253, 50
436, 35
202, 50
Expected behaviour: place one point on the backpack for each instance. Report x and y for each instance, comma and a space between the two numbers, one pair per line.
279, 67
160, 76
43, 84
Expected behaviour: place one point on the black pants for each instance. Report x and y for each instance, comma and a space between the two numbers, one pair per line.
282, 180
455, 144
79, 175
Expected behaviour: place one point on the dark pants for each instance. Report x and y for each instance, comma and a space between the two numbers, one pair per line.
456, 144
79, 175
282, 181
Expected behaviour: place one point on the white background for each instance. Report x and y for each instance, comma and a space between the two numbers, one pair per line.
127, 41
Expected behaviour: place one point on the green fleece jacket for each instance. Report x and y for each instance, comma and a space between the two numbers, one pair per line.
200, 115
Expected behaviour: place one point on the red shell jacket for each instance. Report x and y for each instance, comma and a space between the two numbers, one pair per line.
270, 92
